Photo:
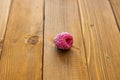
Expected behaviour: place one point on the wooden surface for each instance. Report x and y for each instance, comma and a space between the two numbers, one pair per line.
69, 65
28, 29
102, 39
21, 57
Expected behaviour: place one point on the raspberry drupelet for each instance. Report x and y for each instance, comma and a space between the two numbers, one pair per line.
64, 41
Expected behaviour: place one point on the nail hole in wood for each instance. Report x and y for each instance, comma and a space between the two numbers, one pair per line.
91, 25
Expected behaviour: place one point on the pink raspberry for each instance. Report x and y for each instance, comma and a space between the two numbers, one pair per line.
64, 41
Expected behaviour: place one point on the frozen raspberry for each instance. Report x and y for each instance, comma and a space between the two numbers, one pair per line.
64, 41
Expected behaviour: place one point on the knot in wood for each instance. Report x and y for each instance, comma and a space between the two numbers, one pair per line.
33, 40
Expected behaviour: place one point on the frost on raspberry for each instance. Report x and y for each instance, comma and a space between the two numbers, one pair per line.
64, 41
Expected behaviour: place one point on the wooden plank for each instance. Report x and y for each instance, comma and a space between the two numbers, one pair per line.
102, 39
4, 12
22, 52
115, 4
60, 16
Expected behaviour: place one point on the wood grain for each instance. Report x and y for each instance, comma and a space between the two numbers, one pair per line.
115, 4
102, 39
60, 16
4, 12
22, 52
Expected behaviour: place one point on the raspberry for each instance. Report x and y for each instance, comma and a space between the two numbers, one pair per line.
63, 41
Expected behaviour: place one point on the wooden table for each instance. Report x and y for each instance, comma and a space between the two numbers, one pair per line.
28, 28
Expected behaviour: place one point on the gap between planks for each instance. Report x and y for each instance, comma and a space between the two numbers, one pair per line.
3, 24
116, 15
